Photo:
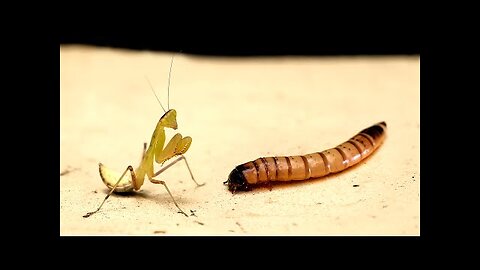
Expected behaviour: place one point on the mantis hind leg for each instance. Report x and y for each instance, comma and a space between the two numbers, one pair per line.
165, 185
169, 193
175, 161
132, 172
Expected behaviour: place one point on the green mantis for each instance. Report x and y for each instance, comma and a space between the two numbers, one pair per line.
176, 147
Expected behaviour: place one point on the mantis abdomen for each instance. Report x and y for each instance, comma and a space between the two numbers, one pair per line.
314, 165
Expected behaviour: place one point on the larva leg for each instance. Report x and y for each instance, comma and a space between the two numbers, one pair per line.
132, 172
165, 185
175, 161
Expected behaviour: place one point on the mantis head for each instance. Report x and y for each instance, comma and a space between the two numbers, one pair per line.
169, 119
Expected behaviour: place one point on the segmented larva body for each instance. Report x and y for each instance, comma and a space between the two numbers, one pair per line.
345, 155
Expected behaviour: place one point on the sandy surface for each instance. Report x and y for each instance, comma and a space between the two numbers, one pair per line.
236, 110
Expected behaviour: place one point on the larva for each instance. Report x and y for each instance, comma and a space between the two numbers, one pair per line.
262, 170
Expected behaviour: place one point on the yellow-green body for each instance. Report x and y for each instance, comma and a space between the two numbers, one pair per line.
176, 146
131, 179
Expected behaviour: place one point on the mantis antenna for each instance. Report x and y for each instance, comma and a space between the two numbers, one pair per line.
151, 87
168, 87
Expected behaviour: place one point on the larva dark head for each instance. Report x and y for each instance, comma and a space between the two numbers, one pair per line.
236, 180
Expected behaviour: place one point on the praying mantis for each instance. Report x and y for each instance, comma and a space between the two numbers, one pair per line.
176, 147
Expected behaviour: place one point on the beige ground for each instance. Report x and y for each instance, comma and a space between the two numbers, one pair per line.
238, 109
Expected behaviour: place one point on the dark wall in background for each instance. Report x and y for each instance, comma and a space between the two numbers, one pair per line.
245, 29
207, 43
